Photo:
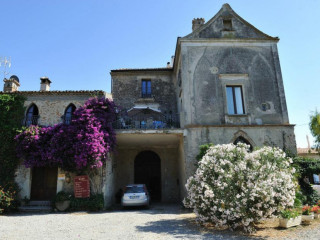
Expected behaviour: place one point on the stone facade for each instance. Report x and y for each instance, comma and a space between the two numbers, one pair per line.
224, 85
220, 55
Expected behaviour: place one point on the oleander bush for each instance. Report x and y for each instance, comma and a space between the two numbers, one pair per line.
236, 188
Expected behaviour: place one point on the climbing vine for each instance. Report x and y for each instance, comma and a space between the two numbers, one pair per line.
11, 115
82, 145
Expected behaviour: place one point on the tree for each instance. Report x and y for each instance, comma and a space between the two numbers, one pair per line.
11, 115
315, 127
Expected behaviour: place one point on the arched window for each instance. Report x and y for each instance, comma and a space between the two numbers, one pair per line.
243, 140
32, 116
68, 113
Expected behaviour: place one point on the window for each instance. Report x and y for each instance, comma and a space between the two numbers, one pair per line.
227, 24
68, 113
146, 88
235, 100
32, 116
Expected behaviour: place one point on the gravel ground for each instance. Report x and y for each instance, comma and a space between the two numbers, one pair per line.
159, 222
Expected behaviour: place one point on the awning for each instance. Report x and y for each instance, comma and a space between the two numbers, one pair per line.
143, 110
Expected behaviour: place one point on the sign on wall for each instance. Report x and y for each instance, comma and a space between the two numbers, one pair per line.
81, 186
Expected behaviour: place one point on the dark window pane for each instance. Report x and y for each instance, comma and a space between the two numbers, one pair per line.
238, 96
230, 101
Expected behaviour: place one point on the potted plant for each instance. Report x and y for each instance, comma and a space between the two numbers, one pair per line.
316, 211
62, 201
289, 218
307, 215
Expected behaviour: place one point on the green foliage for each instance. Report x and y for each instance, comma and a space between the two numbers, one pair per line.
62, 196
94, 203
306, 167
11, 115
315, 127
289, 213
299, 200
202, 151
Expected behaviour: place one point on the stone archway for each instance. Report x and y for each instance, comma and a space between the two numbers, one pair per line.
147, 170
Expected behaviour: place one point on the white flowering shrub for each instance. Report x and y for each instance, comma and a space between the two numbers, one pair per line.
236, 188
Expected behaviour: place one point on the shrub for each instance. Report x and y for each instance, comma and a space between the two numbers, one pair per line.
94, 203
289, 213
62, 196
235, 188
315, 209
306, 210
6, 199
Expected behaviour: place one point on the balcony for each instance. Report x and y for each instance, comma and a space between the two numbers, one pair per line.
30, 120
147, 121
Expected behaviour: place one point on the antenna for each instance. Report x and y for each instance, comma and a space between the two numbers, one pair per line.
308, 142
5, 62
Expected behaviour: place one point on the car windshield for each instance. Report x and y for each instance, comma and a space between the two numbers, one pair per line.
134, 189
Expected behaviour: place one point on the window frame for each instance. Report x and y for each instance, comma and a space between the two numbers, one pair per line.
146, 91
69, 113
32, 115
234, 103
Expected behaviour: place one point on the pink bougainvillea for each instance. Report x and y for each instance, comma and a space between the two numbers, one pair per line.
82, 144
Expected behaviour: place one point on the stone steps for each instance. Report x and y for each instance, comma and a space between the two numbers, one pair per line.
37, 206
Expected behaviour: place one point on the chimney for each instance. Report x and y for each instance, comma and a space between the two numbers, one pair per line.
172, 60
196, 23
45, 84
12, 84
168, 65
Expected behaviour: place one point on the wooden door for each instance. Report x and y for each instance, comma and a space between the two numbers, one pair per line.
44, 183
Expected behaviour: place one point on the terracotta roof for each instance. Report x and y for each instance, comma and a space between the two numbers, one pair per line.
71, 92
141, 69
306, 150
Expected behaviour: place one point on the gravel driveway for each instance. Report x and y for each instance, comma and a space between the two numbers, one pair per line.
159, 222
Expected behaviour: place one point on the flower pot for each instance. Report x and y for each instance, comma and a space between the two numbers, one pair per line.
307, 219
316, 215
63, 205
291, 222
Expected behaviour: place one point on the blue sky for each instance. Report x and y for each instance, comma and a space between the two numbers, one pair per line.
77, 42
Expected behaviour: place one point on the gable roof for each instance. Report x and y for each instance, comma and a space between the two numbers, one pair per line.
240, 28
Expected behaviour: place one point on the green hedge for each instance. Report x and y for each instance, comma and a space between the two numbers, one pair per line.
93, 203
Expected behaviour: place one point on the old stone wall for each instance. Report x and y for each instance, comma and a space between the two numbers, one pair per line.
258, 136
207, 68
126, 89
52, 107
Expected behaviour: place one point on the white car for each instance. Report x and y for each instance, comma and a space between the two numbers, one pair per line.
135, 195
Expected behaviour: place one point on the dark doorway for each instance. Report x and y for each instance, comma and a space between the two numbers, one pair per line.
147, 170
243, 140
44, 183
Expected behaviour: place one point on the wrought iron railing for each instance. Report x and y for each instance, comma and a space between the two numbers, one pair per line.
146, 95
33, 120
142, 121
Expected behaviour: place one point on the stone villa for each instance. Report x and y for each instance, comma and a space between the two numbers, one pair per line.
224, 85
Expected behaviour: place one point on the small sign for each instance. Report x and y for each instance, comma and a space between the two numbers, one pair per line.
81, 186
61, 176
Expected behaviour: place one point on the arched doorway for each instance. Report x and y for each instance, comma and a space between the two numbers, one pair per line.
243, 140
147, 170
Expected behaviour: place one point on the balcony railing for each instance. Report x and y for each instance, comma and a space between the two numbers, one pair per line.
27, 121
146, 95
147, 122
